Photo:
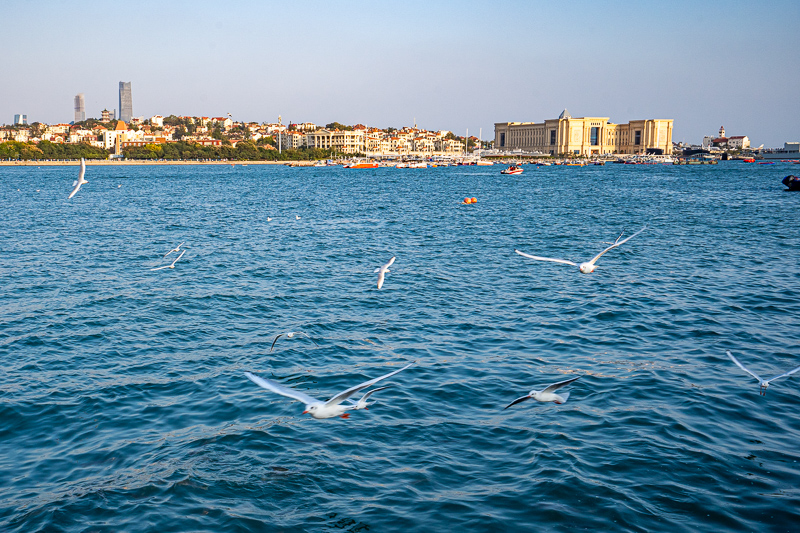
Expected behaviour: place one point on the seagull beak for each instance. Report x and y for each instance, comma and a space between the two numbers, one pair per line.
305, 412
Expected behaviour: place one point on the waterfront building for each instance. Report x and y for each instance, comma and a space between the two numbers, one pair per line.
585, 136
348, 142
737, 142
80, 108
157, 120
125, 102
20, 120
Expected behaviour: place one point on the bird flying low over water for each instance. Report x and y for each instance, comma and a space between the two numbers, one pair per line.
763, 382
381, 271
362, 403
176, 249
173, 263
80, 181
317, 408
588, 266
546, 395
291, 335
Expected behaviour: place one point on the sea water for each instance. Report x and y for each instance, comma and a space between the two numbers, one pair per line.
124, 405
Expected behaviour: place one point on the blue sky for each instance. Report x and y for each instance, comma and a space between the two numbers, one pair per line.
447, 65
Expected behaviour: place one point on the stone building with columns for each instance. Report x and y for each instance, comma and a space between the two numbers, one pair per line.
585, 136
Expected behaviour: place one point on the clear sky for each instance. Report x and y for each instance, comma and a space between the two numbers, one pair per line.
447, 65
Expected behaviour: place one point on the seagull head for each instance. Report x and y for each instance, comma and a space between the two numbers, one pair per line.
764, 385
587, 268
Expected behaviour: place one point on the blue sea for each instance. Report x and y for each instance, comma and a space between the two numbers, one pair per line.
124, 405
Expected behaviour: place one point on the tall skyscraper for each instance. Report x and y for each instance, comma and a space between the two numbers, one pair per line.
20, 120
125, 102
80, 108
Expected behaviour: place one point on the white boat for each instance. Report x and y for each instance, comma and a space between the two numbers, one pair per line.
790, 151
513, 169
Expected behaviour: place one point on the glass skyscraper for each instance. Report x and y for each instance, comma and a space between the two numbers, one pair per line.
80, 108
125, 102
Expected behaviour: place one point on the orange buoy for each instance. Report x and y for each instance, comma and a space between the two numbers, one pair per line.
467, 200
474, 200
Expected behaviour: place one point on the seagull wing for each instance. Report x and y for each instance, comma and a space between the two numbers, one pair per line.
546, 258
616, 243
740, 365
276, 340
789, 373
306, 335
342, 396
387, 265
160, 268
74, 191
274, 386
83, 171
178, 258
370, 393
381, 275
166, 254
518, 400
556, 386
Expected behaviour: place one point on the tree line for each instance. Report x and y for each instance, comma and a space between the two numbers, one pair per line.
49, 150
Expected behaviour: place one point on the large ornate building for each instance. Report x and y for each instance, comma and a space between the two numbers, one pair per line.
585, 136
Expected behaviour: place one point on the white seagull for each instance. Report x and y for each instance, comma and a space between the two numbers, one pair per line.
291, 335
362, 403
80, 181
176, 249
173, 263
317, 408
546, 395
588, 266
763, 382
381, 271
297, 217
269, 219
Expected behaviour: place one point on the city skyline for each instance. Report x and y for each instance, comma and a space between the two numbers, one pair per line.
444, 66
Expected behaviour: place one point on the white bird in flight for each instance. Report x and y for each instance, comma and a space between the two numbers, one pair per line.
763, 382
588, 266
546, 395
362, 403
297, 217
381, 271
291, 335
176, 249
173, 263
80, 181
317, 408
269, 219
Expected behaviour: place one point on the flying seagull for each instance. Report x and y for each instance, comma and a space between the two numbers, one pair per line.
763, 382
588, 266
80, 181
173, 263
362, 403
317, 408
291, 335
381, 271
297, 217
176, 249
546, 395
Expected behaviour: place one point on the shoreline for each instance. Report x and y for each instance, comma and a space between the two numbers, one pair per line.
98, 162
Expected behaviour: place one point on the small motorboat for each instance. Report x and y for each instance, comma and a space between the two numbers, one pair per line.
792, 182
513, 169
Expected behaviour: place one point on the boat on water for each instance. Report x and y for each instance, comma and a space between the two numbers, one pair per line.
513, 169
792, 182
361, 165
483, 163
790, 151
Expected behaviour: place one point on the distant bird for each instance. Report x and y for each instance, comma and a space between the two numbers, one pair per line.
291, 335
297, 217
546, 395
269, 219
362, 403
80, 181
176, 249
588, 266
317, 408
381, 271
173, 263
763, 382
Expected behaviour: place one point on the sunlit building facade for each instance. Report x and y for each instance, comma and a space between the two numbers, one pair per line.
585, 136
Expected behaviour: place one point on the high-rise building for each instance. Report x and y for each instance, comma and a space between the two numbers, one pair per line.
80, 108
125, 102
20, 120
